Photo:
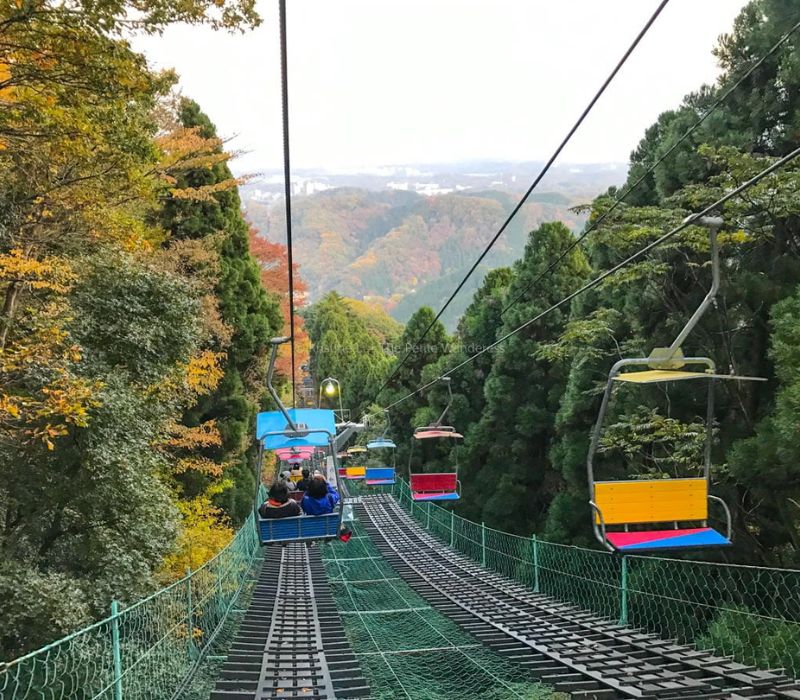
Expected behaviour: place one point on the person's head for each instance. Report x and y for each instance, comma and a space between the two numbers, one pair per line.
306, 473
318, 488
278, 491
286, 475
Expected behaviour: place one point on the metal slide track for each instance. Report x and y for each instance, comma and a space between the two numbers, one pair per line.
291, 643
571, 649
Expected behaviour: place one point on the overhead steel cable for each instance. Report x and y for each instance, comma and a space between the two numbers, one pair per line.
596, 223
611, 271
287, 181
530, 190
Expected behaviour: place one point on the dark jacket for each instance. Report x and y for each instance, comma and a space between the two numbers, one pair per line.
303, 484
320, 506
270, 510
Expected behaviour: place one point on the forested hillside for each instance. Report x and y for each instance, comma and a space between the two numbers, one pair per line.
134, 321
527, 408
402, 249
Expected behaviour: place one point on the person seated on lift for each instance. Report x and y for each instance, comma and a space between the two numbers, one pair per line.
279, 505
305, 482
286, 479
321, 498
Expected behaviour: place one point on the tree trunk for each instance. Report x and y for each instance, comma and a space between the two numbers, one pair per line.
7, 314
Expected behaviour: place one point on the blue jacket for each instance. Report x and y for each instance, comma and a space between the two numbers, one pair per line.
320, 506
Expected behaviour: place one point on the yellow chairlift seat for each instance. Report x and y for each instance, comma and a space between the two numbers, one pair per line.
654, 376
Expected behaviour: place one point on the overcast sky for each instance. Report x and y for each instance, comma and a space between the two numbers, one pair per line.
376, 82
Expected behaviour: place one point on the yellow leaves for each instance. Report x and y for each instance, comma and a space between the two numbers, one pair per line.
204, 531
201, 465
204, 372
48, 434
10, 406
204, 435
183, 438
184, 147
70, 398
49, 273
739, 237
41, 396
205, 193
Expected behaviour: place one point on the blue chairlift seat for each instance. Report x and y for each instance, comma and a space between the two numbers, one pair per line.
381, 443
380, 476
299, 528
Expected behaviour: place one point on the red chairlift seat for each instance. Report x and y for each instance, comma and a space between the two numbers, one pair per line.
440, 486
435, 487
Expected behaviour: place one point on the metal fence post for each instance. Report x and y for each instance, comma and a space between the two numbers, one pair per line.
452, 528
623, 601
428, 523
535, 564
483, 544
189, 610
116, 650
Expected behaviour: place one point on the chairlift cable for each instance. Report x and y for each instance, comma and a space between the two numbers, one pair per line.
608, 273
287, 181
533, 186
596, 223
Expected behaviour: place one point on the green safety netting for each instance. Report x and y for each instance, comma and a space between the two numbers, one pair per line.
405, 648
147, 651
750, 613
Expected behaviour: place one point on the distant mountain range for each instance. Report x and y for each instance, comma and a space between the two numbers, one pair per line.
403, 237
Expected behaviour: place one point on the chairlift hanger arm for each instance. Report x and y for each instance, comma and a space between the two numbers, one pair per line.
438, 422
274, 394
714, 223
348, 430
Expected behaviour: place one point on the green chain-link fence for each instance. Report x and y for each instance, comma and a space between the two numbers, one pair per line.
750, 613
147, 651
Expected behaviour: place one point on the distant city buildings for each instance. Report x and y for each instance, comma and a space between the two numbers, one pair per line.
427, 189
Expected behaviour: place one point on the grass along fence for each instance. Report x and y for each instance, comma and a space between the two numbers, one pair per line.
146, 651
749, 613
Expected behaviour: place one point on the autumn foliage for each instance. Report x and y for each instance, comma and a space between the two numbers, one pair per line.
274, 262
129, 373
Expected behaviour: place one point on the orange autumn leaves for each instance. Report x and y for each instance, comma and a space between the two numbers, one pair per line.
274, 263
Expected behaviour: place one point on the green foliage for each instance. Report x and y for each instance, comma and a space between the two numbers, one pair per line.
244, 306
93, 516
348, 348
419, 368
115, 306
506, 480
37, 606
106, 317
761, 115
656, 446
753, 639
